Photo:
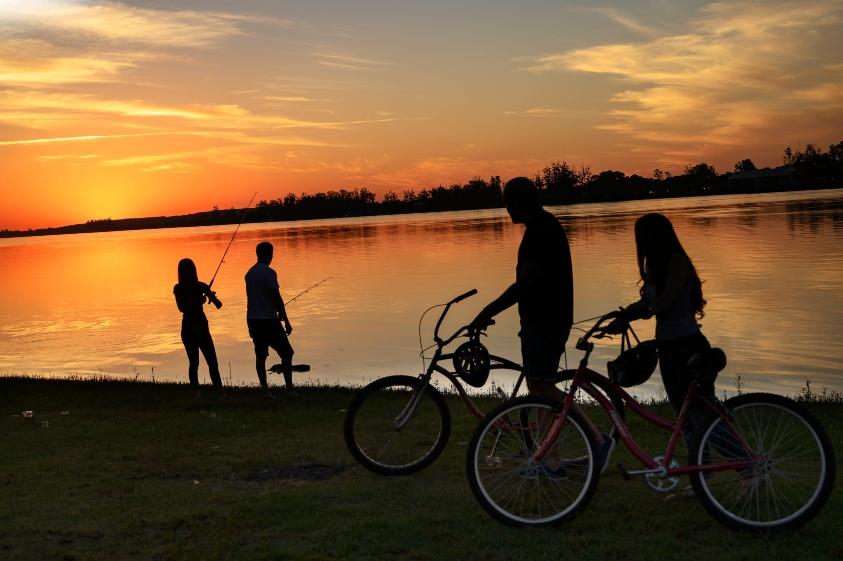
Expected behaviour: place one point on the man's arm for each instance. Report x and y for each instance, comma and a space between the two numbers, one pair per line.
496, 306
280, 309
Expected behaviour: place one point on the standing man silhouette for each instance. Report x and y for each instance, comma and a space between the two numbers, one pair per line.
265, 313
544, 292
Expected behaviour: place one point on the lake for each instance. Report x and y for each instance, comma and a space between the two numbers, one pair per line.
102, 304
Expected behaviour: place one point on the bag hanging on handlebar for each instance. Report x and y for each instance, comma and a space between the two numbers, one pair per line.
634, 365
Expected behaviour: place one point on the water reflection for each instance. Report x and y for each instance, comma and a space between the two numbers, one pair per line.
772, 267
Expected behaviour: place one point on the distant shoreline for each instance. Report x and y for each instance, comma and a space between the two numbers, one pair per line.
232, 216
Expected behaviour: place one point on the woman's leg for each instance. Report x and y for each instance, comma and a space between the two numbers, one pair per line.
673, 364
192, 350
206, 344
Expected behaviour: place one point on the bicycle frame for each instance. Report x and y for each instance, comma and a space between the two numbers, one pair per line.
496, 363
592, 383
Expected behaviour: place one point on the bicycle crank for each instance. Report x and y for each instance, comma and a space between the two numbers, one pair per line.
662, 484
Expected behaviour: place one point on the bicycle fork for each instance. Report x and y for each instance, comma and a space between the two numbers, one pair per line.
407, 412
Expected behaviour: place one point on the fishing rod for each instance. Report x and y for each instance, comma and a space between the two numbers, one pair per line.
306, 290
222, 260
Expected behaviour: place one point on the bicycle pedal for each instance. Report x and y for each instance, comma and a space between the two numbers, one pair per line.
623, 471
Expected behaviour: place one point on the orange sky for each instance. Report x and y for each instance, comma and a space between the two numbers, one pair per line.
114, 109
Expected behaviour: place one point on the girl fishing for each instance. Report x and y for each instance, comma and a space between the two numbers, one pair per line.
191, 295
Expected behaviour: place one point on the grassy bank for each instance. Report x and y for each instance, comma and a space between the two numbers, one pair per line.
122, 470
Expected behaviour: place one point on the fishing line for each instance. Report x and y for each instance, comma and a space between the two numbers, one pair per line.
222, 260
306, 290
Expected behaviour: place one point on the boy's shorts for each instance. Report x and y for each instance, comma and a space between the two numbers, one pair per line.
266, 333
541, 350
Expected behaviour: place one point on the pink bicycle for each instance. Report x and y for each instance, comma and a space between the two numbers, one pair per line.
760, 463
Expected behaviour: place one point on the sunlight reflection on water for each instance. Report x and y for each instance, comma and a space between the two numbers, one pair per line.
772, 266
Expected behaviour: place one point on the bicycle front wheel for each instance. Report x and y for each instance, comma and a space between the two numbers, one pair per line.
789, 480
514, 488
397, 425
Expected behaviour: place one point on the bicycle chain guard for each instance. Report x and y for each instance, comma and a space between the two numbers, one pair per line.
662, 484
471, 362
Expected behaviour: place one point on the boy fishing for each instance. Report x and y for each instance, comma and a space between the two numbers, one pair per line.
265, 313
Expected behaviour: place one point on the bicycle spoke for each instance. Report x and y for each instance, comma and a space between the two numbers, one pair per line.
788, 475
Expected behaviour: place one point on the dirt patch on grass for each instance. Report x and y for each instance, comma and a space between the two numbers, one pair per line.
304, 472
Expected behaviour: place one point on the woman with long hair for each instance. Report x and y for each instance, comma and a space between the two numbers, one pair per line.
672, 291
191, 295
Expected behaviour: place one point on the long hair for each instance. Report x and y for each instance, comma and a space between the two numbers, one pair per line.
655, 243
187, 272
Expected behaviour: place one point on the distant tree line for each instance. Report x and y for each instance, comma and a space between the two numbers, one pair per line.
558, 183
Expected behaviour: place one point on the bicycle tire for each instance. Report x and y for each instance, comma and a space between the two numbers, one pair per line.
787, 487
609, 427
377, 445
499, 456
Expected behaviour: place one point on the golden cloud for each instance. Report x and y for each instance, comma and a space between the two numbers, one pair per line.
729, 78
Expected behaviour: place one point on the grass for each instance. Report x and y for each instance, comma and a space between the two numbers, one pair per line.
132, 470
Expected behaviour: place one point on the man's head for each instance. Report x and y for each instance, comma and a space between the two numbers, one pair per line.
521, 199
264, 252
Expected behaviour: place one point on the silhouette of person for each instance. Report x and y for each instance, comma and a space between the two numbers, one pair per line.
544, 292
191, 295
265, 313
671, 290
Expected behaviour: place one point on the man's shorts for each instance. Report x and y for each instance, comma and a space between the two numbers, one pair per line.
266, 333
541, 350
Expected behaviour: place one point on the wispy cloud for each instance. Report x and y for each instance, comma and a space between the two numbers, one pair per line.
292, 99
729, 76
625, 21
534, 112
119, 22
78, 138
349, 62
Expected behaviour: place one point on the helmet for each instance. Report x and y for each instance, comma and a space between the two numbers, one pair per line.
634, 365
471, 362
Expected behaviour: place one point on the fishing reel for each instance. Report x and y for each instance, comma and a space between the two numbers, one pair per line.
471, 361
212, 298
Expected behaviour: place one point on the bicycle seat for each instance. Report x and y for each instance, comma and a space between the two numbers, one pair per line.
711, 361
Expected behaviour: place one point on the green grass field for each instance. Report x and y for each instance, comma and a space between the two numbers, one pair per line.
122, 470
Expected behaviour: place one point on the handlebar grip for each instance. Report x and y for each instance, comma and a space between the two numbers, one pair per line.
461, 297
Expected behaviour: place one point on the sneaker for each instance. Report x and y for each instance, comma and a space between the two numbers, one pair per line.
604, 452
537, 470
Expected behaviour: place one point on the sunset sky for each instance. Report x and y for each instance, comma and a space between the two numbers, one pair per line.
116, 109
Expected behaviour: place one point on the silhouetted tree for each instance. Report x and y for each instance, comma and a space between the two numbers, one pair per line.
744, 165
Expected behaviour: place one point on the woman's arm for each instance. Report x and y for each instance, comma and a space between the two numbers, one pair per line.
212, 296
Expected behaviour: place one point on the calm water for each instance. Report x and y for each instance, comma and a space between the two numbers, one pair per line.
102, 303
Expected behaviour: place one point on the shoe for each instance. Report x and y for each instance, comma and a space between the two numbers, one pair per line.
604, 452
536, 471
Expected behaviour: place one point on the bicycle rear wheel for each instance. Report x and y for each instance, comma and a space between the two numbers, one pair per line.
510, 485
792, 477
397, 425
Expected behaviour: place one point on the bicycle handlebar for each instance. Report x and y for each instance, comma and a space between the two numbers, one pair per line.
456, 334
582, 342
462, 297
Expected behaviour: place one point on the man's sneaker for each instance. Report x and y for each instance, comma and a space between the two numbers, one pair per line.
604, 452
541, 470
